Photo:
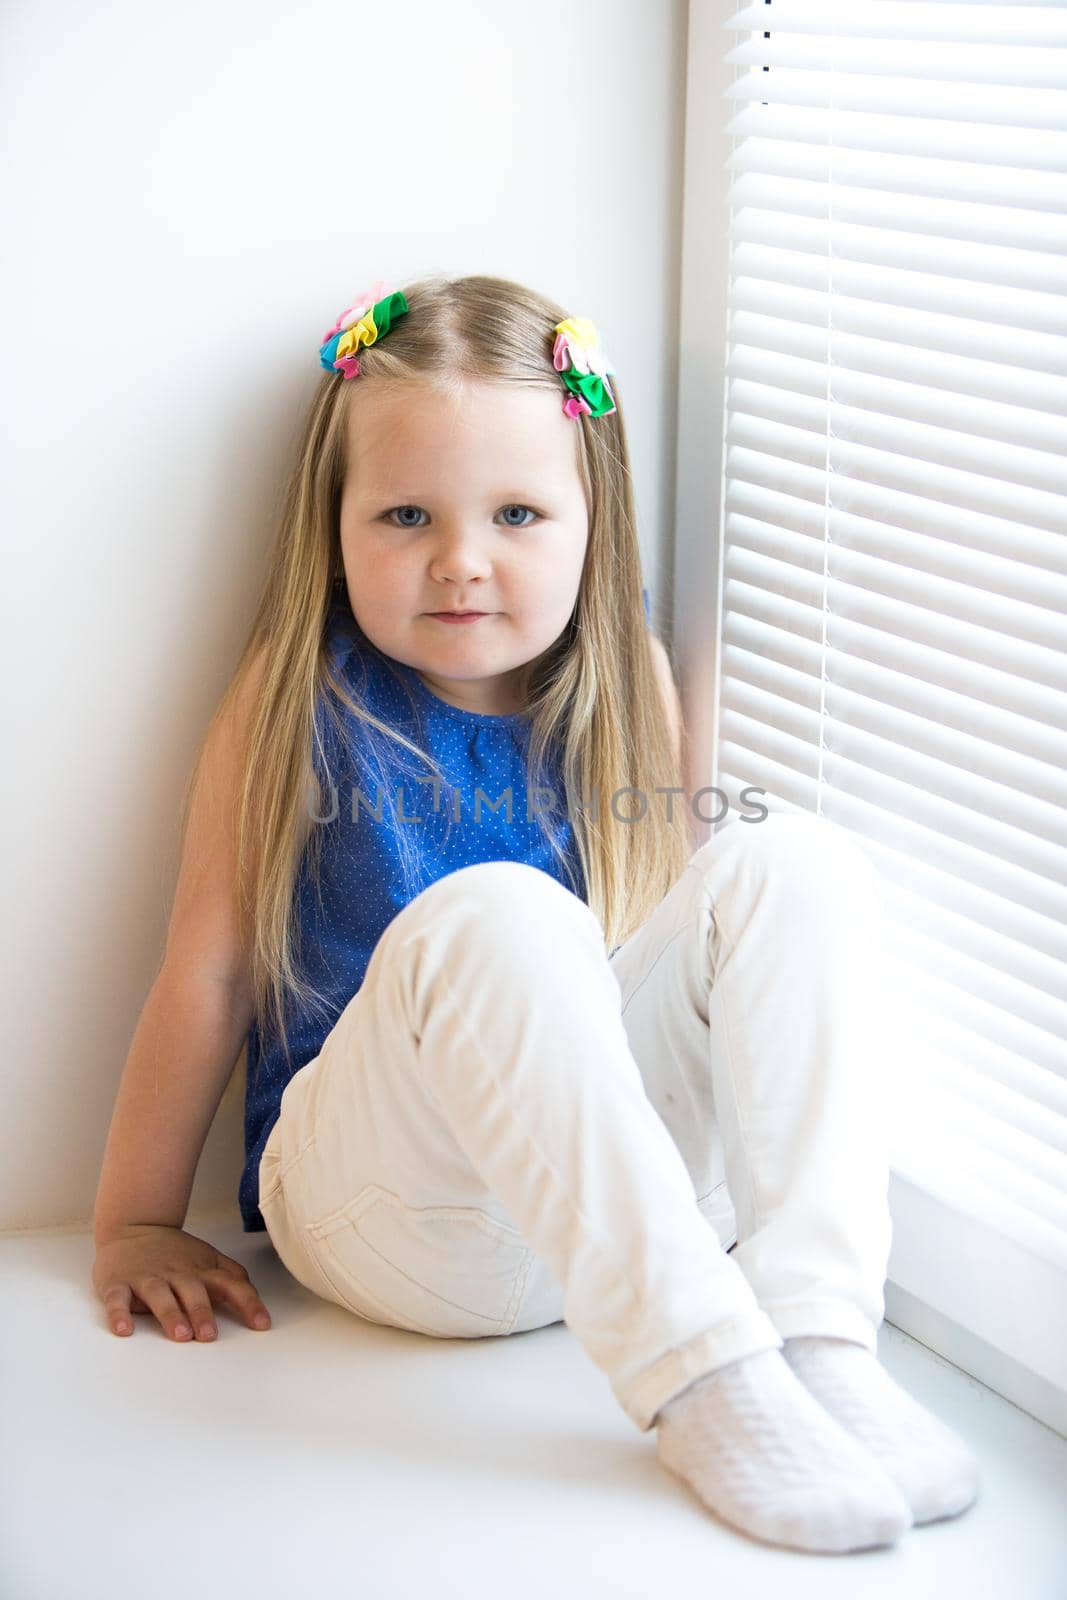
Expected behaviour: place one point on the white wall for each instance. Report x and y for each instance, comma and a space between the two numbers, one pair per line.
192, 195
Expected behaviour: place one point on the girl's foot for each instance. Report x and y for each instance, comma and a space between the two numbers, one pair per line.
932, 1468
764, 1456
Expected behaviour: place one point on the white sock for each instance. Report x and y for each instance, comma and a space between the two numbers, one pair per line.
765, 1457
933, 1469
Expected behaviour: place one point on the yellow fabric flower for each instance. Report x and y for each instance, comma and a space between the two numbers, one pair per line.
362, 332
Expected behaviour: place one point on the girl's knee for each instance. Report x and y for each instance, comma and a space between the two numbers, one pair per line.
501, 893
794, 843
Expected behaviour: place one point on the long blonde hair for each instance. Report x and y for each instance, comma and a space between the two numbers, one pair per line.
593, 696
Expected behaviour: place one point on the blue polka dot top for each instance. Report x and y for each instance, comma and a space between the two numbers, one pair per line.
385, 835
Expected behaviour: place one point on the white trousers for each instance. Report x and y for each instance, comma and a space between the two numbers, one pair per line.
506, 1127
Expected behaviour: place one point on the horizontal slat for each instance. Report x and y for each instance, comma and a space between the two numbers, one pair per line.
939, 902
1015, 864
965, 1151
928, 883
1003, 1081
963, 447
741, 768
926, 546
746, 773
950, 61
937, 729
931, 900
769, 385
928, 137
896, 603
981, 991
852, 511
893, 463
856, 166
943, 1047
1011, 241
891, 593
910, 877
934, 366
843, 256
833, 727
1034, 1171
1006, 1089
1022, 107
987, 1112
1037, 712
1003, 344
1034, 24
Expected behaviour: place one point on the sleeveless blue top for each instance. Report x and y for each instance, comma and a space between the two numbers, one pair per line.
385, 836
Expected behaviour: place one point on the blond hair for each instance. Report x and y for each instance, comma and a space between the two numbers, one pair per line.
593, 696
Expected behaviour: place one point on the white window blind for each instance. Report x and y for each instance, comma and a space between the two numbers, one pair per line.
893, 648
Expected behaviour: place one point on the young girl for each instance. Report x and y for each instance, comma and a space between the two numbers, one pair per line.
516, 1051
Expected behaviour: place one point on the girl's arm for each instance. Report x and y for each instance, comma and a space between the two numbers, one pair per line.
197, 1013
184, 1049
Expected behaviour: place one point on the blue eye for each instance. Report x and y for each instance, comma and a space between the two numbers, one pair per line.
530, 509
397, 510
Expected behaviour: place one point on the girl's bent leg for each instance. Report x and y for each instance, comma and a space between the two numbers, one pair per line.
484, 1065
756, 1007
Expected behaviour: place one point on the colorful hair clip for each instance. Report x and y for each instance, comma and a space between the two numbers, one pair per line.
584, 367
363, 323
576, 353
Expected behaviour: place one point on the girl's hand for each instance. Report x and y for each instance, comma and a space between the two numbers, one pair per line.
176, 1276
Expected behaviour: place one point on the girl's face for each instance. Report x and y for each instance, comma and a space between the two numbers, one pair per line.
473, 503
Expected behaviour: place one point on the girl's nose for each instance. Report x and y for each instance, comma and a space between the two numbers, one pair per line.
459, 560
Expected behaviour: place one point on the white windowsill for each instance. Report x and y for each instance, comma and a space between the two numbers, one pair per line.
332, 1456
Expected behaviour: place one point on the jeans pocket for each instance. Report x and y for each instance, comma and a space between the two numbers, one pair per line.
453, 1272
269, 1176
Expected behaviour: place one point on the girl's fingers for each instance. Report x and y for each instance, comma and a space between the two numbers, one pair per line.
117, 1308
183, 1306
240, 1294
160, 1300
232, 1268
197, 1303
